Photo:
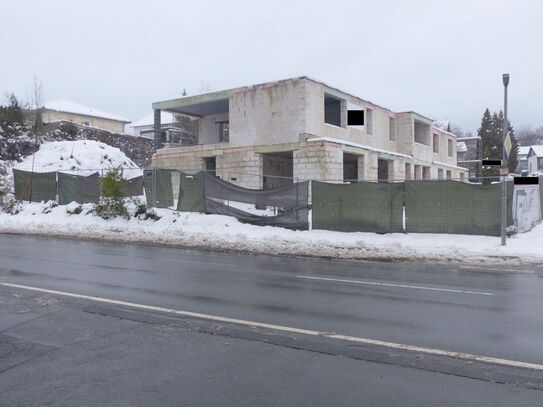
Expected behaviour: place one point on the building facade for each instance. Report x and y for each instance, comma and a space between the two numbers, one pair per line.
535, 160
265, 135
65, 110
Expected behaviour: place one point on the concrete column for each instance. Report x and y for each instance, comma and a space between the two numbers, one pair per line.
156, 127
361, 168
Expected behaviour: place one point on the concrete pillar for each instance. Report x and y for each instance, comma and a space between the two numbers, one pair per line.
361, 168
156, 127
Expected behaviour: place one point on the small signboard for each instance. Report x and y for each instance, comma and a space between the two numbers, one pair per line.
504, 171
507, 144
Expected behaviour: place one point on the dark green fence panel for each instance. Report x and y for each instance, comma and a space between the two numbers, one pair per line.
34, 186
76, 188
191, 192
163, 190
453, 207
360, 207
132, 187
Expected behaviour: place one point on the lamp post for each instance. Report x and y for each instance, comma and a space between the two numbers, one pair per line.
504, 159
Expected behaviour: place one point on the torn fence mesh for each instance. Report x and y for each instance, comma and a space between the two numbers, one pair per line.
77, 188
286, 197
285, 206
34, 186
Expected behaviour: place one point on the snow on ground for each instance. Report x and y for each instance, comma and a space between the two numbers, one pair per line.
81, 157
218, 232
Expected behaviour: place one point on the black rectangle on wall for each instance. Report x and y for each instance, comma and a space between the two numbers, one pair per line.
486, 163
355, 117
526, 180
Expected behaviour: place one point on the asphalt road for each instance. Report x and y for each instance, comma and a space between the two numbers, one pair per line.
486, 312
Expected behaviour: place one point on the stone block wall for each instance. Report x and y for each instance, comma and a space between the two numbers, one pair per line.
242, 167
318, 161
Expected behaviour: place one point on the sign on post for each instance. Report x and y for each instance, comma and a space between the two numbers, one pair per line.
507, 145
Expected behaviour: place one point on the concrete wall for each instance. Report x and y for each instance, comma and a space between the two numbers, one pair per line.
268, 115
100, 123
209, 129
318, 161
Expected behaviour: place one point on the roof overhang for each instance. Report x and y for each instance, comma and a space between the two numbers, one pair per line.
198, 105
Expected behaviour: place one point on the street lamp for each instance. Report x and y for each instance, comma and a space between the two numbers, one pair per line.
504, 158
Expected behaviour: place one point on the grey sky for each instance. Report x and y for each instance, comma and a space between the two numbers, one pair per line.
441, 59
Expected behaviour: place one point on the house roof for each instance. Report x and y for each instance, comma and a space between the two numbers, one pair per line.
461, 147
538, 150
149, 120
63, 105
523, 150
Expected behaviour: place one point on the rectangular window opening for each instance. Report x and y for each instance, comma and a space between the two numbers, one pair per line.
422, 133
392, 129
332, 110
436, 143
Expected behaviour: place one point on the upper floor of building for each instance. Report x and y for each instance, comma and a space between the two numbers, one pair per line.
296, 109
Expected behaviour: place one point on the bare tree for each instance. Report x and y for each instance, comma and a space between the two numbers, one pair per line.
36, 103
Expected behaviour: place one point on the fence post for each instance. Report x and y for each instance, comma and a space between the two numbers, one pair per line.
101, 184
153, 188
56, 185
310, 199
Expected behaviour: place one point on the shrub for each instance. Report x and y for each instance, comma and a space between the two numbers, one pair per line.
10, 205
112, 204
13, 112
143, 212
110, 208
69, 128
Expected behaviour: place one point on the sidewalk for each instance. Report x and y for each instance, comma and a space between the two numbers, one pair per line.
222, 233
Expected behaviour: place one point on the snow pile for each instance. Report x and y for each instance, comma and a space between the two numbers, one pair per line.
81, 157
218, 232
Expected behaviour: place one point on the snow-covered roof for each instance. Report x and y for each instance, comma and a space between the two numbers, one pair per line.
538, 150
461, 147
148, 120
523, 150
62, 105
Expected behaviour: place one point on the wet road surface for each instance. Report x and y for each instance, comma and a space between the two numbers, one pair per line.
484, 312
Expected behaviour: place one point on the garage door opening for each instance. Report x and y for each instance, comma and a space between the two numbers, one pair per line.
350, 168
277, 169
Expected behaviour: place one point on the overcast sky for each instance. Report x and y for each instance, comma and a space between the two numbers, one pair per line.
441, 59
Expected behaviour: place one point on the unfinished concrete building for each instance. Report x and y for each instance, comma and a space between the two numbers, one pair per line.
270, 134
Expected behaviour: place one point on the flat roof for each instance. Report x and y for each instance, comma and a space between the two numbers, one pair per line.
197, 103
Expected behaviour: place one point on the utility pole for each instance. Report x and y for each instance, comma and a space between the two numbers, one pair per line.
504, 159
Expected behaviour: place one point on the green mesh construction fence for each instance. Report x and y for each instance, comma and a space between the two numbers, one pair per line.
34, 186
191, 192
78, 188
161, 194
454, 207
360, 207
132, 187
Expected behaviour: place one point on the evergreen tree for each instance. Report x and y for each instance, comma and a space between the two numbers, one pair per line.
13, 112
497, 137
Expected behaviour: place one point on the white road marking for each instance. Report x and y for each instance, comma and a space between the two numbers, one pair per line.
391, 345
417, 287
490, 269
